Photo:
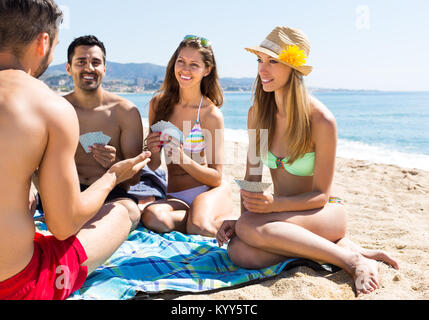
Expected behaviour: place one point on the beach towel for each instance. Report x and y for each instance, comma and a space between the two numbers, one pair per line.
149, 264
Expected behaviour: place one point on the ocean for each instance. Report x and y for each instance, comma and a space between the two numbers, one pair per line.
381, 127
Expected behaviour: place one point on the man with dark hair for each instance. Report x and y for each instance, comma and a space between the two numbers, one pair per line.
22, 21
39, 131
87, 56
85, 41
102, 111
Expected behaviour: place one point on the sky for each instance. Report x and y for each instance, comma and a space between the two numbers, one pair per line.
355, 44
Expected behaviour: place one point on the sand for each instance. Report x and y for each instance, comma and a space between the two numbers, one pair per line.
388, 209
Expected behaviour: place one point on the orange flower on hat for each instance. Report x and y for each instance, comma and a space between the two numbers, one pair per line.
293, 56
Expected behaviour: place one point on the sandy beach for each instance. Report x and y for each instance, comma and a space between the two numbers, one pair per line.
388, 209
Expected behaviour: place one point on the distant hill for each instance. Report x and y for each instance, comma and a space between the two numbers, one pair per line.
150, 75
237, 84
119, 71
135, 77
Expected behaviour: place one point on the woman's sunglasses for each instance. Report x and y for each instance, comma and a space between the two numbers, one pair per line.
204, 42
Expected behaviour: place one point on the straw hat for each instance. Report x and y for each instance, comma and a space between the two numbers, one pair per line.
288, 46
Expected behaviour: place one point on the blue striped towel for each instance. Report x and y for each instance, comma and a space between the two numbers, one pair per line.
152, 263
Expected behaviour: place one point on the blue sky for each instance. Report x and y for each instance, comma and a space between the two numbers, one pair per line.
356, 44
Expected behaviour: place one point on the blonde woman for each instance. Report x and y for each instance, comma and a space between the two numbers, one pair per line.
304, 217
197, 200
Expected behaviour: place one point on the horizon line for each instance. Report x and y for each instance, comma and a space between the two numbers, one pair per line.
249, 77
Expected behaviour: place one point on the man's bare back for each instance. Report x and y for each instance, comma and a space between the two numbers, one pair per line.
40, 131
26, 110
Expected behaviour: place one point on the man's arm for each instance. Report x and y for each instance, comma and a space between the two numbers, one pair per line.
66, 208
153, 141
131, 141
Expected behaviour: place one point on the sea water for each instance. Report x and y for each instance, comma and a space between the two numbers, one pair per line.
382, 127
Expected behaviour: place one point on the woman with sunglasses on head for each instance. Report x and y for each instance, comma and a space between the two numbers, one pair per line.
302, 218
190, 98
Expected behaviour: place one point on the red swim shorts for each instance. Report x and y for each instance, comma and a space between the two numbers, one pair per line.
53, 273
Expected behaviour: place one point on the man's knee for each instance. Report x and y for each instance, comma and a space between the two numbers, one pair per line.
132, 209
158, 219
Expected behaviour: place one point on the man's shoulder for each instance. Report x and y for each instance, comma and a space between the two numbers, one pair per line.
20, 81
24, 87
69, 96
119, 102
125, 110
17, 75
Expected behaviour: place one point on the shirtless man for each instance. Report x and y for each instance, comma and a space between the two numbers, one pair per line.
99, 110
40, 130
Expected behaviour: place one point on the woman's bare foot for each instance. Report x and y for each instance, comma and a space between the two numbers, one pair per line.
378, 255
365, 274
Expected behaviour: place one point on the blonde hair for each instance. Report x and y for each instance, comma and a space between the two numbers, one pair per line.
296, 106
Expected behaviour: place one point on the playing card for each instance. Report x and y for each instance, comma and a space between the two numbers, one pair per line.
167, 129
157, 126
252, 186
91, 138
101, 138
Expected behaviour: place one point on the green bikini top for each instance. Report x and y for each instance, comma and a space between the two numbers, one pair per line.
303, 167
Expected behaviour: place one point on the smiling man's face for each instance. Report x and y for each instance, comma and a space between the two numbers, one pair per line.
87, 68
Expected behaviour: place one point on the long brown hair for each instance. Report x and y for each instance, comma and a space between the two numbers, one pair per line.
296, 106
169, 94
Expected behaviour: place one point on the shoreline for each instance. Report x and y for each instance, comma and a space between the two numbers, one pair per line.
347, 150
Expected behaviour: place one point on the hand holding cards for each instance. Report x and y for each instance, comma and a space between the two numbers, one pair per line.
251, 186
254, 197
166, 129
91, 138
